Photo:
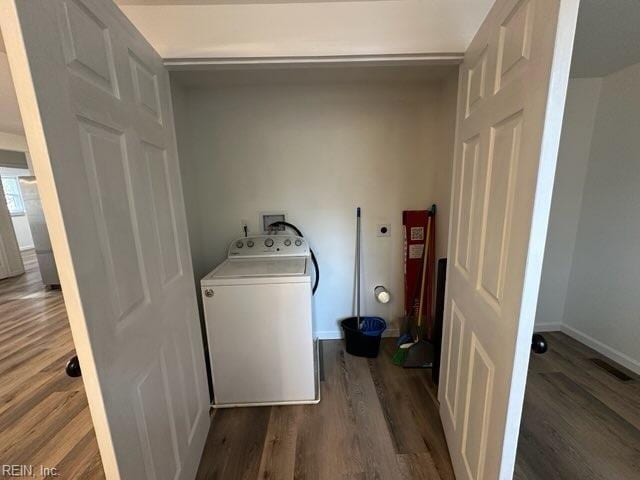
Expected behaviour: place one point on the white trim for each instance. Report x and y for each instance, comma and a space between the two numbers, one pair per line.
600, 347
615, 355
334, 60
337, 334
547, 327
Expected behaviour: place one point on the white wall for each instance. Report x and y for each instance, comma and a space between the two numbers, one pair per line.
444, 170
316, 28
20, 222
10, 119
591, 270
188, 173
571, 171
603, 300
317, 151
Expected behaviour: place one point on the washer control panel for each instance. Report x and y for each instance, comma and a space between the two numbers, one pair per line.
281, 245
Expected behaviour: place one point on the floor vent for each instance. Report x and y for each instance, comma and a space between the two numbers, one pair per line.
603, 364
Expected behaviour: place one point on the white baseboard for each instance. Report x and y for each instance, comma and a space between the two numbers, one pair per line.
337, 334
619, 357
547, 327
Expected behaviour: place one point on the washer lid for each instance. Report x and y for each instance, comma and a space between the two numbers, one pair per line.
262, 267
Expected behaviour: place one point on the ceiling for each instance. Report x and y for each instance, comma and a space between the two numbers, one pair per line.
607, 37
215, 29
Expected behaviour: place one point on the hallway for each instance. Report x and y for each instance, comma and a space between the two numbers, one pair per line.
44, 416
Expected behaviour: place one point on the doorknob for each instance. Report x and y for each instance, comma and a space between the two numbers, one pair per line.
539, 343
73, 367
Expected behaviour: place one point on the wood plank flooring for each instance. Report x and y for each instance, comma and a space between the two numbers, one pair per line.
579, 420
44, 416
375, 421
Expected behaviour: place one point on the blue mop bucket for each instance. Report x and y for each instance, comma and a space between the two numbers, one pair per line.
363, 342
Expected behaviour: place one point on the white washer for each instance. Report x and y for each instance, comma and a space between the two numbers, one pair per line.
257, 307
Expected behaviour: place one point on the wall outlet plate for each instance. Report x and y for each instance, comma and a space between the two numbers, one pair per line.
383, 230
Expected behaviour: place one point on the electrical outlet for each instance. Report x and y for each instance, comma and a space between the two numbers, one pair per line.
244, 225
384, 230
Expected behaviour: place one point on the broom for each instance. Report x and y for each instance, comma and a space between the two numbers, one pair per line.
400, 357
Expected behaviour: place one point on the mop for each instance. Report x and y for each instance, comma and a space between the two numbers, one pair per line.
419, 353
408, 325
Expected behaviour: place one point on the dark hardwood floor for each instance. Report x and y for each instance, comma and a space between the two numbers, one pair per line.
44, 416
375, 421
580, 421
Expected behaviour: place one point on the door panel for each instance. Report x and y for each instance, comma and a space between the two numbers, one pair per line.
95, 101
511, 96
163, 213
453, 340
476, 409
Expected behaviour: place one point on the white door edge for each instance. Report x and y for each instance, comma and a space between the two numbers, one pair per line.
563, 51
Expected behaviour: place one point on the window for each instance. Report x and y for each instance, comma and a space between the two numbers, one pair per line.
12, 193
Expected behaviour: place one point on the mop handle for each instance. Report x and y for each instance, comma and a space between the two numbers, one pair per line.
425, 255
358, 265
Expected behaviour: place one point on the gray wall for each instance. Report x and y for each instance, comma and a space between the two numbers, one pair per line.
600, 268
571, 172
316, 151
12, 159
603, 300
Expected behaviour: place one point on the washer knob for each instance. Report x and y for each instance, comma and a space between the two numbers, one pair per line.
239, 244
287, 242
250, 243
298, 242
268, 242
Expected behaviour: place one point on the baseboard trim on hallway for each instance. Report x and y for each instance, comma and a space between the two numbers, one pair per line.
615, 355
547, 327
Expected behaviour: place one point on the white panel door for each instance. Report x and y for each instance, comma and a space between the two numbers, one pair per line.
95, 101
510, 105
